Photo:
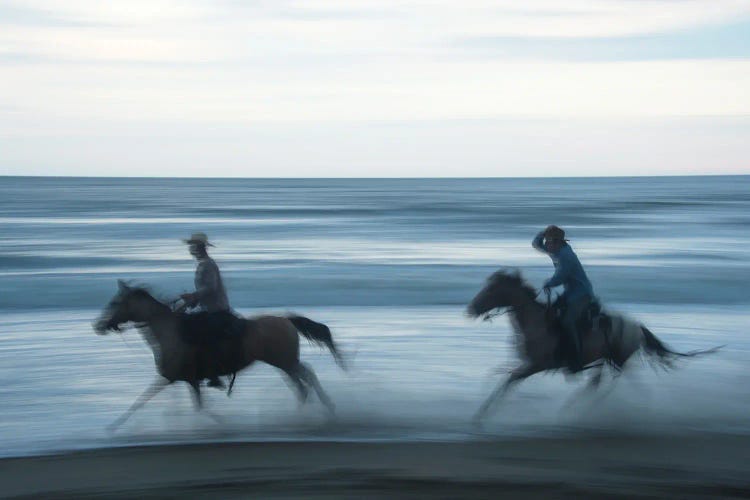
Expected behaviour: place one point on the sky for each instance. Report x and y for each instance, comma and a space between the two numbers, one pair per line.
374, 88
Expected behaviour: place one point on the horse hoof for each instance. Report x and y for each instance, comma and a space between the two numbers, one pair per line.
478, 422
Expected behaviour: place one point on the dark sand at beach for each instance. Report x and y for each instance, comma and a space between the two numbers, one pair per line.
583, 467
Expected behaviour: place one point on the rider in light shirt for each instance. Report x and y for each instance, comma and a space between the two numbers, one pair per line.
210, 296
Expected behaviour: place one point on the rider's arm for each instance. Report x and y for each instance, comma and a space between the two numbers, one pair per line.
561, 272
538, 242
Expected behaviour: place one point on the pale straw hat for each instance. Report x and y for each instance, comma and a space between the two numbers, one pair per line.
199, 238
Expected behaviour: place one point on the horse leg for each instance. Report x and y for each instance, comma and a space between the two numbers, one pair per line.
308, 375
195, 385
602, 395
196, 392
295, 382
591, 385
501, 390
152, 390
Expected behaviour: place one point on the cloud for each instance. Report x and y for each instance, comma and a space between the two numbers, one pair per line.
86, 67
16, 14
410, 89
712, 42
198, 32
504, 147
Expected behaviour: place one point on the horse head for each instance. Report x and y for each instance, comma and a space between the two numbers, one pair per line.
501, 290
128, 304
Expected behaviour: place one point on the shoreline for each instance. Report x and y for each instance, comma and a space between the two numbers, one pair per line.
702, 466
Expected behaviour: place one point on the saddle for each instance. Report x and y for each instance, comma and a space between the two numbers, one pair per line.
218, 336
593, 313
592, 316
209, 327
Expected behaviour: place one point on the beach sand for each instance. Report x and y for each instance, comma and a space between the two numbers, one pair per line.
705, 466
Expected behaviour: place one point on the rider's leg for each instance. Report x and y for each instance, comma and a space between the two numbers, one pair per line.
215, 381
219, 321
573, 311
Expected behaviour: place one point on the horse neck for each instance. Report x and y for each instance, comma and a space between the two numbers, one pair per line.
159, 322
527, 312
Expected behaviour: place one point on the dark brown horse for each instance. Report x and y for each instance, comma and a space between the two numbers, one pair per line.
272, 339
612, 339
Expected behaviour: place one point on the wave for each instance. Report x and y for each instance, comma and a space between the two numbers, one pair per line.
338, 284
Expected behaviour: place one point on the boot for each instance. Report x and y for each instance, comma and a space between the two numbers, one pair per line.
216, 383
576, 361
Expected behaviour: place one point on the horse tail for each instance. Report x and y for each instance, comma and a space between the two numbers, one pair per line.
319, 334
652, 345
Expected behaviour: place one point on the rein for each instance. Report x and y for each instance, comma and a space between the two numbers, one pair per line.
548, 293
172, 304
493, 315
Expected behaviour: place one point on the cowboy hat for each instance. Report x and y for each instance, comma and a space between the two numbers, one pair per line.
198, 238
554, 233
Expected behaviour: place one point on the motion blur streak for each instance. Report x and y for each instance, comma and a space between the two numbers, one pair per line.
389, 265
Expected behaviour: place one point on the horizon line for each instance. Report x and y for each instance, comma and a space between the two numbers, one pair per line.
38, 176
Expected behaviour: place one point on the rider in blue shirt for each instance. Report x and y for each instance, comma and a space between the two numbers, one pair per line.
578, 292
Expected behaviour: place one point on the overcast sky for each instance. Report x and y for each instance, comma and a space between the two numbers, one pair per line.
374, 87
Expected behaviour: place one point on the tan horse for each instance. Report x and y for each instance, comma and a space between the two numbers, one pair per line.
612, 338
272, 339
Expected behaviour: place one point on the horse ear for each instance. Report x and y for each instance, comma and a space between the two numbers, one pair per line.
516, 273
122, 286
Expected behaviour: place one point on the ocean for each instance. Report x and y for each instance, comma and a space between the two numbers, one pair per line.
389, 265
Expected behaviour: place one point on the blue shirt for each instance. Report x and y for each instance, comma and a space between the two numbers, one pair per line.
568, 271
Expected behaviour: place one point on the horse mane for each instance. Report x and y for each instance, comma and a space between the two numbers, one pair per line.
141, 289
515, 277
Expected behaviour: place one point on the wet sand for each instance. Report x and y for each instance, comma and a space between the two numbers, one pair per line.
589, 467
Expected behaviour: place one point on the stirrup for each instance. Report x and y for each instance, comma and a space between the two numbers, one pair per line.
216, 383
576, 368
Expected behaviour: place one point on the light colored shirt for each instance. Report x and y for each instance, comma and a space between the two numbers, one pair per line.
209, 287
